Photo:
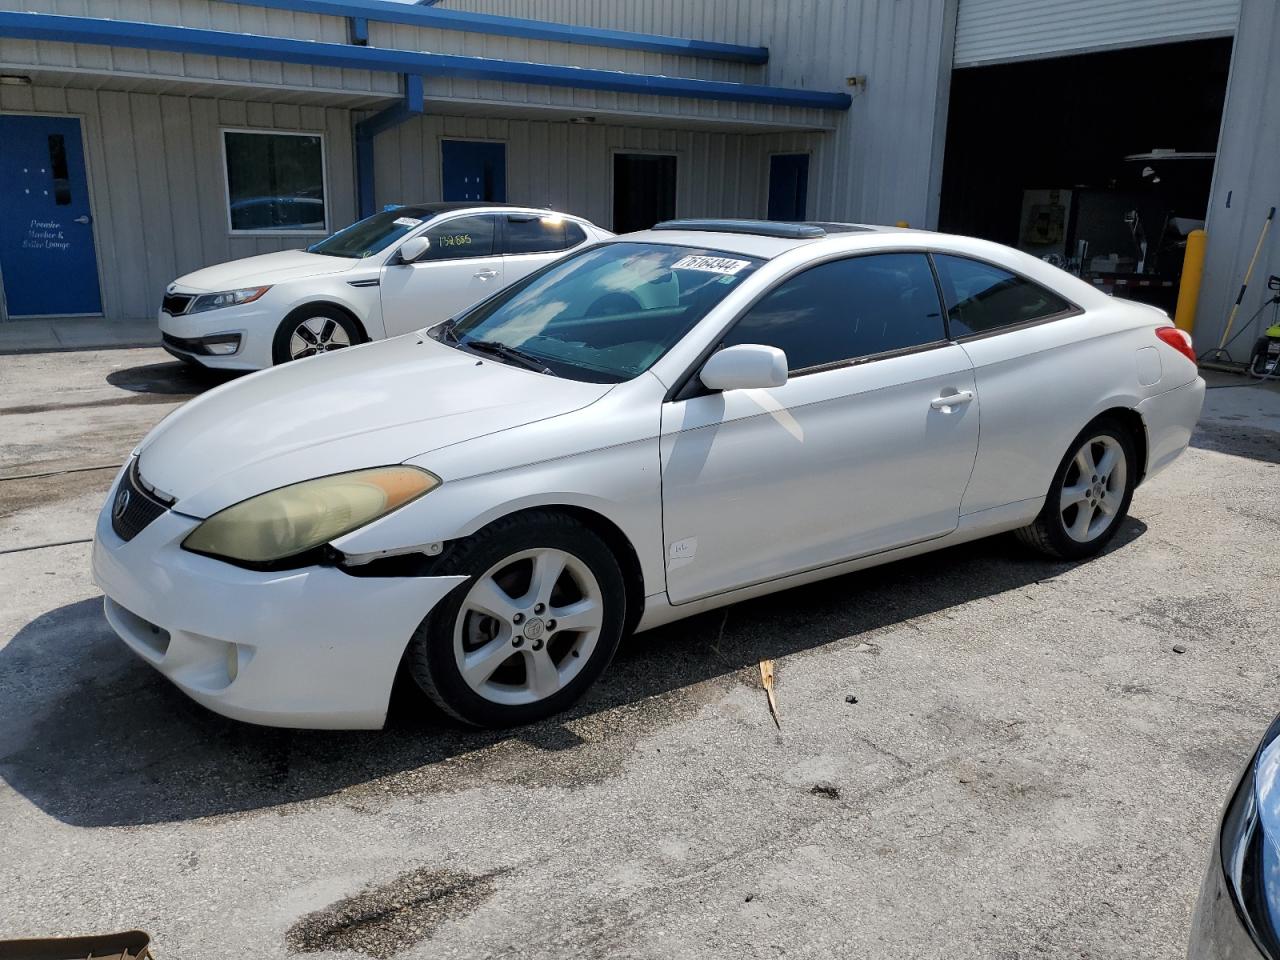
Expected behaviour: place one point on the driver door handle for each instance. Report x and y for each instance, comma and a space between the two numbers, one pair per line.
485, 274
947, 403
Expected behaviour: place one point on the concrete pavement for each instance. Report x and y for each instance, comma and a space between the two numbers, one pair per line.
1030, 768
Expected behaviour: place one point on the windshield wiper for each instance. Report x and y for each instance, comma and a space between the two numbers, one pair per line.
505, 352
446, 330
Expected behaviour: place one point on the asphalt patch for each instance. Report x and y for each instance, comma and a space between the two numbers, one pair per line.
133, 399
380, 921
1238, 441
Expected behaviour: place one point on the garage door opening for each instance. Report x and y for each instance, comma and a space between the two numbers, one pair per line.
1100, 163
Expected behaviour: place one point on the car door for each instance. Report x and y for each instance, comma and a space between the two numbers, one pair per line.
461, 267
1038, 373
530, 240
868, 446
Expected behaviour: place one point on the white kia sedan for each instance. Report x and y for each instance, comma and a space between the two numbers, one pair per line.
656, 425
386, 275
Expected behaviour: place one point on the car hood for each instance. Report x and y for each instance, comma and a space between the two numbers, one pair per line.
262, 270
376, 404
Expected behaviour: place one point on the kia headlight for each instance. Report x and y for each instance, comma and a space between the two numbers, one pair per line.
227, 298
298, 518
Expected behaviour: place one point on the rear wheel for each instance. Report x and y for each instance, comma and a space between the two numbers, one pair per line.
311, 330
537, 621
1090, 494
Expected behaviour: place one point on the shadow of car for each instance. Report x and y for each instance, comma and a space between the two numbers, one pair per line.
95, 737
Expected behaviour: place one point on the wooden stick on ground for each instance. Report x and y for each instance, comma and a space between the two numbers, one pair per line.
766, 680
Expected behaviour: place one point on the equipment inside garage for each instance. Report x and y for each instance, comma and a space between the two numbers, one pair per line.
1101, 163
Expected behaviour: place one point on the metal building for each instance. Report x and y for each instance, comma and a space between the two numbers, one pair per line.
141, 139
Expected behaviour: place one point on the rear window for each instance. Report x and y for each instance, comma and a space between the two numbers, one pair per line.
981, 298
533, 234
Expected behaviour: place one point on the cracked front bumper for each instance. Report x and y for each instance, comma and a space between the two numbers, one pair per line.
312, 647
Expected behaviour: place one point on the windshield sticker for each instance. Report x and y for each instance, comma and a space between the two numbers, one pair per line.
406, 222
711, 264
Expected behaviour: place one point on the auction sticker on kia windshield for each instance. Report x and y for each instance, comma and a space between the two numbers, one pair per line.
647, 428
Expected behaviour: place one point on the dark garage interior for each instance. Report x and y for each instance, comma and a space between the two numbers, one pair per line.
1051, 176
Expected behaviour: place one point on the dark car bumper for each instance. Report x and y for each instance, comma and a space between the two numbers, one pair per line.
1218, 931
218, 345
1233, 918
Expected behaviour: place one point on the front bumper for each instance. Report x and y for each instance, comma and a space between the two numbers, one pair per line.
184, 335
200, 348
313, 647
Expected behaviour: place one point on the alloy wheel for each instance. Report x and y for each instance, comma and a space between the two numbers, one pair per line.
317, 335
1093, 489
528, 626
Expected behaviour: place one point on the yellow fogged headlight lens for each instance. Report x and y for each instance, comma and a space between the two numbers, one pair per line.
294, 519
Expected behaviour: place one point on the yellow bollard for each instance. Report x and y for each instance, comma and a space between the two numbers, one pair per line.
902, 223
1184, 316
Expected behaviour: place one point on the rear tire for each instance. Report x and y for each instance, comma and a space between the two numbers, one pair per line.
496, 652
1089, 496
314, 329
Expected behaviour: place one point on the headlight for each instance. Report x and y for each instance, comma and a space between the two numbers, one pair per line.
1250, 845
227, 298
302, 516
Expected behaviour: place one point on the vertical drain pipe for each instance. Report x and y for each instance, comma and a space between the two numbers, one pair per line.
413, 105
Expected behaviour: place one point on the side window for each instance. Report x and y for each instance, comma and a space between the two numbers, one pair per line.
847, 309
530, 234
460, 238
981, 298
573, 234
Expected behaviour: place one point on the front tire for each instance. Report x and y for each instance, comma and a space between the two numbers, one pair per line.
535, 624
1089, 496
312, 330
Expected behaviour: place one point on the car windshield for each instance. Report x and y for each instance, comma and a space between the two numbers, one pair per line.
603, 315
366, 237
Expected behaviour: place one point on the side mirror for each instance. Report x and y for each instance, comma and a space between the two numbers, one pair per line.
747, 366
413, 248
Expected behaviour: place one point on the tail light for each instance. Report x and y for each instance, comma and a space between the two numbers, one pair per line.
1180, 340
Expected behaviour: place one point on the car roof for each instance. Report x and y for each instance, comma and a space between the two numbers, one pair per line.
431, 208
425, 211
762, 239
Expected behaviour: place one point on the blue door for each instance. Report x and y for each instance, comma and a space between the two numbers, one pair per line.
473, 170
788, 186
47, 261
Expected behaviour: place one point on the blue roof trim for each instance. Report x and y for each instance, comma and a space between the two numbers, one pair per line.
153, 36
388, 11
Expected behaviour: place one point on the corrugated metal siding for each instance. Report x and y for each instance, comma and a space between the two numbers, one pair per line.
1247, 176
995, 31
156, 179
569, 166
193, 13
882, 163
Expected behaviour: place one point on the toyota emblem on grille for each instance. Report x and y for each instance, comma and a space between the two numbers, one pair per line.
121, 504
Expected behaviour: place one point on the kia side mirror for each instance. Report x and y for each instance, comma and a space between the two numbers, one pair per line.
414, 248
747, 366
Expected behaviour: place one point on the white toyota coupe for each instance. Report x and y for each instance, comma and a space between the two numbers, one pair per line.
650, 427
